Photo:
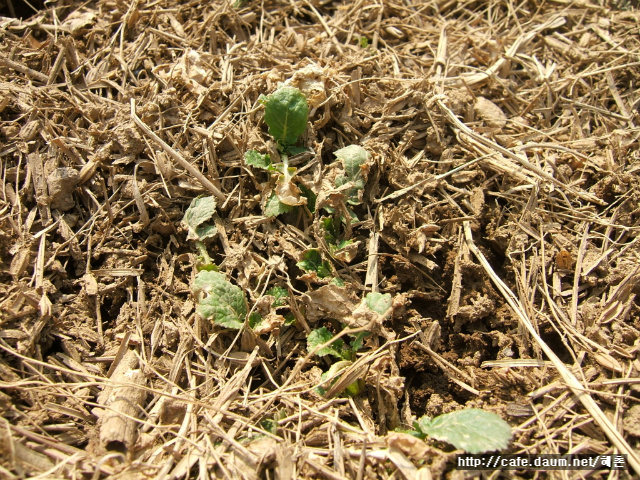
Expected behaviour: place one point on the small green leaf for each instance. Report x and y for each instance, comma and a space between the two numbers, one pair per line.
357, 342
206, 230
280, 295
258, 160
353, 157
275, 207
286, 111
297, 150
320, 336
312, 262
378, 302
289, 319
196, 217
310, 196
331, 376
208, 267
356, 387
472, 430
270, 425
255, 319
219, 300
343, 244
330, 229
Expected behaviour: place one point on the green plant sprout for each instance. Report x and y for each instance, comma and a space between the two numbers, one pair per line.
378, 302
342, 351
354, 159
285, 112
224, 303
472, 430
260, 324
312, 261
219, 300
340, 248
355, 163
198, 220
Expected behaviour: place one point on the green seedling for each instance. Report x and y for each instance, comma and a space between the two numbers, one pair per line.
200, 227
280, 299
378, 302
354, 160
340, 350
343, 352
219, 300
340, 248
312, 261
224, 304
285, 112
280, 295
355, 164
472, 430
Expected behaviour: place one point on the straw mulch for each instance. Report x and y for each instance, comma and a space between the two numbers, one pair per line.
501, 212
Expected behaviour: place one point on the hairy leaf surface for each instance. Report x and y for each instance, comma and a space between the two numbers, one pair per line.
219, 300
472, 430
197, 216
286, 111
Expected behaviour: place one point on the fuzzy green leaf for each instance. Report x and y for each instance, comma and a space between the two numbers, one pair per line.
312, 262
255, 319
472, 430
358, 342
219, 300
353, 157
206, 230
256, 159
378, 302
196, 217
275, 207
286, 111
322, 335
280, 295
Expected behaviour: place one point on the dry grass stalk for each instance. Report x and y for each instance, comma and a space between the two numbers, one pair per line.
572, 382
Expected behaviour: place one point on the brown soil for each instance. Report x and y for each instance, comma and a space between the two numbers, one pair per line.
500, 211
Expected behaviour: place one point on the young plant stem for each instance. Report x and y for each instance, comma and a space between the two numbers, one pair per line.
285, 163
202, 251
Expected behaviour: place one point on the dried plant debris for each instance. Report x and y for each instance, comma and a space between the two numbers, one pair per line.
269, 239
